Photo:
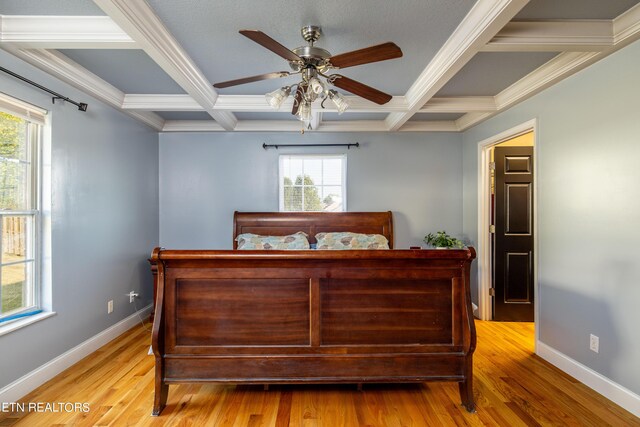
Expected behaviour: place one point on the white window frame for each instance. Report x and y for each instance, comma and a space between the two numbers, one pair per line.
281, 158
35, 118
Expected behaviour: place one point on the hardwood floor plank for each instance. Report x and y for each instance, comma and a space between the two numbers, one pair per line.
512, 387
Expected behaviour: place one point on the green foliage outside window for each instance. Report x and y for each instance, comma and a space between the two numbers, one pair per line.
293, 195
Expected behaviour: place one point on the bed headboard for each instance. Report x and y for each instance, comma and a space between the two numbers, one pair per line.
283, 223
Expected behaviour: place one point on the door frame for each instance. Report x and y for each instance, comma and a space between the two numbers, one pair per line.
484, 212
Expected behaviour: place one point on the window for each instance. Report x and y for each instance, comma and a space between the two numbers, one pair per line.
313, 183
20, 132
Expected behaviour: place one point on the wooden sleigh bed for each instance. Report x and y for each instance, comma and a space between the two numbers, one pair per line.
313, 316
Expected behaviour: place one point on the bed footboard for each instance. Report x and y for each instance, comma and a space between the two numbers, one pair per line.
313, 317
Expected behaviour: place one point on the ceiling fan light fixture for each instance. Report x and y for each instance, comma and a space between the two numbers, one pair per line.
304, 112
277, 97
316, 86
339, 101
313, 63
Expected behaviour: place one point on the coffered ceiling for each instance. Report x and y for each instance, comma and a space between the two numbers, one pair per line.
463, 60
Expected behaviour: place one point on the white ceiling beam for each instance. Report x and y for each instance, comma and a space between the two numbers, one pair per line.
253, 103
459, 104
481, 24
160, 102
143, 25
63, 32
257, 103
60, 66
553, 36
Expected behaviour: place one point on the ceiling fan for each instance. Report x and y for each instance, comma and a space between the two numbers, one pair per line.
311, 63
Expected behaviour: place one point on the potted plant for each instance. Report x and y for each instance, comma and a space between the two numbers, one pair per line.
441, 240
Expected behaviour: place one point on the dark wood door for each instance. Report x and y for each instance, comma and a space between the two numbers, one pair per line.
513, 256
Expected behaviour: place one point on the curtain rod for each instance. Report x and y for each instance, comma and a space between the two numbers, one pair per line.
276, 146
81, 105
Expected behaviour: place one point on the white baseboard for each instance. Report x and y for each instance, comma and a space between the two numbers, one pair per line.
34, 379
598, 382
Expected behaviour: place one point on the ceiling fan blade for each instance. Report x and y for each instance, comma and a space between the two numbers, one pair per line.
360, 89
266, 41
257, 78
380, 52
297, 99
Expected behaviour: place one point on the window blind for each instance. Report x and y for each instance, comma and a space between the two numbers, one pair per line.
22, 109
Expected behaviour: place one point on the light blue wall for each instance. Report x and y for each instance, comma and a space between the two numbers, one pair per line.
588, 146
104, 221
205, 177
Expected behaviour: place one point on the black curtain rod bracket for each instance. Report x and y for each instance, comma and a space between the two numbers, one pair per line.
81, 105
276, 146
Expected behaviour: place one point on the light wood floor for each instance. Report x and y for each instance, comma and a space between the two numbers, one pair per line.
513, 387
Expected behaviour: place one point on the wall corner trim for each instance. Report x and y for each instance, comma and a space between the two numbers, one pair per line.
592, 379
34, 379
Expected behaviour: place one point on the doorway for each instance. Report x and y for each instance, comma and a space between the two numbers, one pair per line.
507, 208
511, 229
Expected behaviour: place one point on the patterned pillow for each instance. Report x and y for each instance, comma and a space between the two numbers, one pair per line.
345, 240
249, 241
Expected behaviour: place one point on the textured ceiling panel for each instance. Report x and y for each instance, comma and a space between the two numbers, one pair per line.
49, 7
131, 71
488, 73
435, 116
209, 32
575, 9
184, 115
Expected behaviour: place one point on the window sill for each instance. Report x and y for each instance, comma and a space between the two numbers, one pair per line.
20, 323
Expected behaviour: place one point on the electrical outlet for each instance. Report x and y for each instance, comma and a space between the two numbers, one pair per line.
594, 343
132, 295
110, 306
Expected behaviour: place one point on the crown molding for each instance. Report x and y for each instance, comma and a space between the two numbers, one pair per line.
191, 126
553, 36
471, 119
63, 32
627, 26
71, 72
626, 29
143, 25
430, 126
148, 118
481, 24
353, 126
275, 126
460, 104
296, 126
544, 76
65, 69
